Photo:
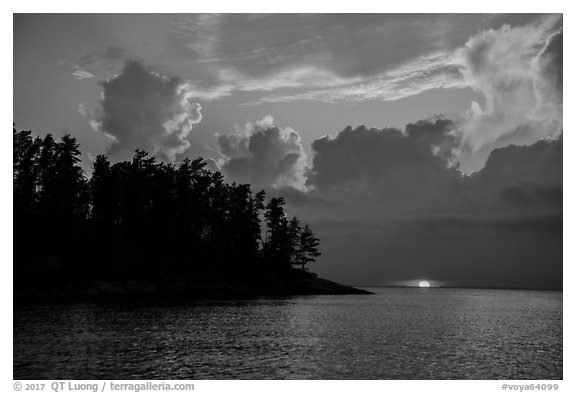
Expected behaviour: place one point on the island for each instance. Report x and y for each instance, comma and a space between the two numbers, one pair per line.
150, 229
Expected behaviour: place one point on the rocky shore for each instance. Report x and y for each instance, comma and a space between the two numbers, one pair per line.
189, 289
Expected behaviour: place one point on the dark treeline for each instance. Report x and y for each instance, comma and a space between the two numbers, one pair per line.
142, 219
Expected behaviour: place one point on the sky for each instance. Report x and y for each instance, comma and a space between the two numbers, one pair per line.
417, 146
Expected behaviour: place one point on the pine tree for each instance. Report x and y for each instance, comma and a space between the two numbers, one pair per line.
293, 244
104, 193
308, 251
277, 234
25, 172
70, 193
47, 180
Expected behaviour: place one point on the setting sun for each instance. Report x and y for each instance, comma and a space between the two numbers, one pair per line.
424, 284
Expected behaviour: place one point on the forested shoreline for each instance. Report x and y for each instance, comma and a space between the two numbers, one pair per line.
145, 221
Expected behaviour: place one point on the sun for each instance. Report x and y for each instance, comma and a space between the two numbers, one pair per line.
424, 284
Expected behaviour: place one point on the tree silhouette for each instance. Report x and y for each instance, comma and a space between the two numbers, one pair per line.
143, 219
293, 242
276, 247
308, 250
25, 177
25, 169
47, 181
104, 194
71, 193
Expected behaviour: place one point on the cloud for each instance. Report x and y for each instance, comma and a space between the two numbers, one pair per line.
517, 70
423, 73
403, 210
390, 166
263, 155
414, 169
519, 179
83, 67
78, 73
310, 82
302, 197
352, 45
82, 74
549, 82
329, 58
141, 109
537, 163
83, 110
200, 33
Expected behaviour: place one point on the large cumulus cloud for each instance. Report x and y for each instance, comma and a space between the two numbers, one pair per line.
518, 70
389, 166
520, 180
141, 109
413, 171
390, 204
263, 155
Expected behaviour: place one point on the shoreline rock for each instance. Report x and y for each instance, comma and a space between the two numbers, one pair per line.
184, 290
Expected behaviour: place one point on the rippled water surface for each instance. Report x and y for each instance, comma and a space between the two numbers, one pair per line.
398, 333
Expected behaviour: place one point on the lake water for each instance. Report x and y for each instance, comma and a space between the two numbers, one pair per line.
398, 333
